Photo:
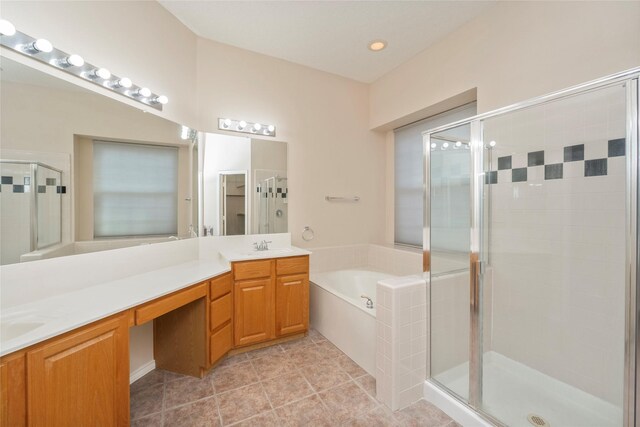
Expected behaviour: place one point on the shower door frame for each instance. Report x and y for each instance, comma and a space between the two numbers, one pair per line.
631, 400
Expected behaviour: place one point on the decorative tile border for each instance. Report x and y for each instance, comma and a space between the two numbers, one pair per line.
572, 153
9, 184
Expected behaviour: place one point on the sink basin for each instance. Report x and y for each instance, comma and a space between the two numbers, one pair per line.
10, 330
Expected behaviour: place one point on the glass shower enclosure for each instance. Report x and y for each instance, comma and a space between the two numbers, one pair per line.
30, 208
539, 200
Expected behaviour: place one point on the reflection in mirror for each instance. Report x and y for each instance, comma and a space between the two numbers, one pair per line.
82, 172
244, 185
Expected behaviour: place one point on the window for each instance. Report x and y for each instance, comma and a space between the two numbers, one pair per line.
135, 189
409, 175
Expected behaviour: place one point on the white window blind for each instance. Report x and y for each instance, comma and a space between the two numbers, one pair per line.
409, 175
135, 189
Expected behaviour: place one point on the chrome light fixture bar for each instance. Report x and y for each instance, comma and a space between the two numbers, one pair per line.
243, 126
43, 51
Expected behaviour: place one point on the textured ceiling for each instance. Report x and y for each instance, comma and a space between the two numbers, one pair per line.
331, 36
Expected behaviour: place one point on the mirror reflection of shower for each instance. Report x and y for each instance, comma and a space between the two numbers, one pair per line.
273, 206
30, 208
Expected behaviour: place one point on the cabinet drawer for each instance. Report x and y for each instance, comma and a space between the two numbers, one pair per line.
170, 303
252, 269
219, 286
220, 311
294, 265
220, 344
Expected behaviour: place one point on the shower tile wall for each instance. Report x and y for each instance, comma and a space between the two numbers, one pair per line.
15, 205
557, 232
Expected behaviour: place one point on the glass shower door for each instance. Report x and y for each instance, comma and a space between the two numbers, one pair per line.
448, 207
553, 243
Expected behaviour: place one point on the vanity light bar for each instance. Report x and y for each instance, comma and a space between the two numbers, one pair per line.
246, 127
42, 50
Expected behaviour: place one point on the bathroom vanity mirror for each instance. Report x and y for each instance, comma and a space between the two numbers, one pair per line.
244, 185
82, 172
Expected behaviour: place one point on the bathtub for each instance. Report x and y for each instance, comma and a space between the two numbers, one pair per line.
337, 311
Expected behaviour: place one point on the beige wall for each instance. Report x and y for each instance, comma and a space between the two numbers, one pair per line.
512, 52
323, 118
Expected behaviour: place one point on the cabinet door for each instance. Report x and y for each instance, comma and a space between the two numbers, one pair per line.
254, 317
292, 304
13, 411
81, 379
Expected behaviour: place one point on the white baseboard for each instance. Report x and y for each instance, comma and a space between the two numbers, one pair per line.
456, 410
142, 371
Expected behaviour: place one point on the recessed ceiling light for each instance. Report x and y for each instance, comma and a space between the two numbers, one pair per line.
377, 45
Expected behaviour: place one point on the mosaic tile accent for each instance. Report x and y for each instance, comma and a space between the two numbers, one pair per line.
61, 189
491, 177
617, 147
535, 159
574, 153
51, 181
519, 175
553, 171
42, 189
27, 180
595, 167
7, 180
504, 163
19, 189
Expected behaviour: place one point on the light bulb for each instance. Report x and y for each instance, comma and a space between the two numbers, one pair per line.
184, 133
242, 125
72, 61
42, 45
458, 144
271, 128
226, 123
434, 145
161, 99
445, 145
123, 82
144, 92
492, 144
101, 73
257, 126
6, 28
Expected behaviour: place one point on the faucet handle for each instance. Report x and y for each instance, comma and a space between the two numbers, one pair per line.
255, 245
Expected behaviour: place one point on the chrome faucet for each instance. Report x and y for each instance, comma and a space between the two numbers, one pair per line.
262, 246
369, 301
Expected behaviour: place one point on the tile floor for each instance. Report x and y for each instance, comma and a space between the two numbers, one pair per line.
306, 382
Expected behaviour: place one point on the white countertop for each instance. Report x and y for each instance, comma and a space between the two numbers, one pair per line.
26, 324
235, 255
68, 311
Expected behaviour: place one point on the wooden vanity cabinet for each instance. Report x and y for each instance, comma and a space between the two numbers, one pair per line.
220, 317
13, 390
81, 378
271, 299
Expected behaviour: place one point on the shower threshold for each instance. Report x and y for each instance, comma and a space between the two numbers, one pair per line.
512, 391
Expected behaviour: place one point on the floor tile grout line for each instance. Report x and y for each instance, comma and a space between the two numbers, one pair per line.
215, 398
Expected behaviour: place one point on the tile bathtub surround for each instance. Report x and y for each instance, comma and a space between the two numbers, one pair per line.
315, 390
389, 259
401, 342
